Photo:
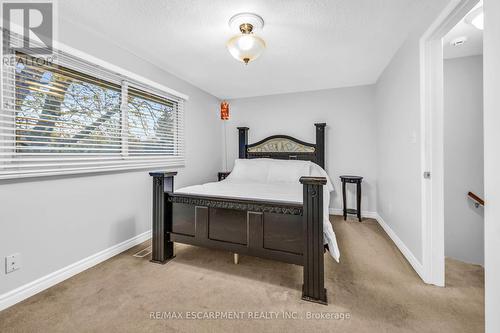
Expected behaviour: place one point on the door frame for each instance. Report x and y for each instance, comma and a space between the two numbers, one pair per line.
432, 138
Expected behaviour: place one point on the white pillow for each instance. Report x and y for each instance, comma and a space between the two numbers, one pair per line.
253, 170
287, 171
267, 170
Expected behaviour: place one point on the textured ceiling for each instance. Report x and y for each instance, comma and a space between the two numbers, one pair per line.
311, 45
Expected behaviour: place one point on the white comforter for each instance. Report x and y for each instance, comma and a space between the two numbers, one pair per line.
237, 186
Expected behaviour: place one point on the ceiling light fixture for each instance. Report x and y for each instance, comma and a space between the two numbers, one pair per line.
246, 46
459, 41
476, 18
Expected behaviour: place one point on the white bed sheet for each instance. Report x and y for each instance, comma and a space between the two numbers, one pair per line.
278, 192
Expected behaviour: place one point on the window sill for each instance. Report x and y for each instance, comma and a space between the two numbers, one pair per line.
86, 172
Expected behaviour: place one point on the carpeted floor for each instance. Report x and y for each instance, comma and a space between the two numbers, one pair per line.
373, 289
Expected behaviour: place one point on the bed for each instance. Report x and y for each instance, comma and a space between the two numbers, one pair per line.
273, 205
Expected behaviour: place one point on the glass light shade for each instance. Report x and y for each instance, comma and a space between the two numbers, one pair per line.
246, 47
224, 110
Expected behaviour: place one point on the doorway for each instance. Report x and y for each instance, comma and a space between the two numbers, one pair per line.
463, 142
434, 160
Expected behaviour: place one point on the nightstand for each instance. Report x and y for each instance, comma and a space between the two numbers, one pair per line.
352, 180
223, 175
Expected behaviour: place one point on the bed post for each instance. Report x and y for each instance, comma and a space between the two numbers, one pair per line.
320, 144
162, 246
242, 141
313, 289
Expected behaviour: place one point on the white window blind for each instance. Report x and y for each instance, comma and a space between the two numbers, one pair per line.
72, 116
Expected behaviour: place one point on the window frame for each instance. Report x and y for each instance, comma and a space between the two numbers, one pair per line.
87, 78
174, 159
155, 98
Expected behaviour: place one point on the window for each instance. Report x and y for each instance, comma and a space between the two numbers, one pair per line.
151, 123
75, 117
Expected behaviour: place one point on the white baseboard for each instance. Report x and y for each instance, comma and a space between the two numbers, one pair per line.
339, 211
21, 293
417, 266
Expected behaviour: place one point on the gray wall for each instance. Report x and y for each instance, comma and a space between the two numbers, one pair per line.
54, 222
350, 134
463, 158
397, 100
398, 147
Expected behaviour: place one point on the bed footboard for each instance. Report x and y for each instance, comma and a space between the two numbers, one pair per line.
291, 233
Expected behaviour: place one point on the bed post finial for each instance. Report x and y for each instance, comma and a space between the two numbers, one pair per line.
320, 144
242, 141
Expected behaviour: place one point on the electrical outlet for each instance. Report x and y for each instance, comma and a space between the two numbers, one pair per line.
12, 263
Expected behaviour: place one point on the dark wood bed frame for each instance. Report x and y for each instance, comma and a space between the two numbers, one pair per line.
292, 233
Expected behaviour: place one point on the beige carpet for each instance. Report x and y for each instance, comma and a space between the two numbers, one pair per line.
373, 285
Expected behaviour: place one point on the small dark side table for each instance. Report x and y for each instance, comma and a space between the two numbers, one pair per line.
352, 180
223, 175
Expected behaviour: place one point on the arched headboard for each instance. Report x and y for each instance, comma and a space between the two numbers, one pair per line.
284, 147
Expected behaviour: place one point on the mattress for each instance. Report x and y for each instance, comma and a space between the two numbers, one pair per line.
285, 193
267, 190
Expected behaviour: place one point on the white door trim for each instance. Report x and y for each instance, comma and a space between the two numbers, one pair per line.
431, 121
